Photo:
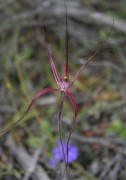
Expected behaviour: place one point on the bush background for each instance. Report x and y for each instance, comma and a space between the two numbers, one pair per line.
100, 90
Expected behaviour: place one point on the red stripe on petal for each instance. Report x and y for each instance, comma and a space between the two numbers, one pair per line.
70, 96
51, 60
93, 55
67, 49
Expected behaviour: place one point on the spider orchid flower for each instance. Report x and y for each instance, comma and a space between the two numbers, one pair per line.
63, 85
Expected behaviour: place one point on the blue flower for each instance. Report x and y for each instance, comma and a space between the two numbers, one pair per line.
58, 153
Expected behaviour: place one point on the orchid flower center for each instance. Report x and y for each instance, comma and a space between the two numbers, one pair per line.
64, 84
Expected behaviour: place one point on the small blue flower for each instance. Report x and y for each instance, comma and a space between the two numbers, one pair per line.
58, 154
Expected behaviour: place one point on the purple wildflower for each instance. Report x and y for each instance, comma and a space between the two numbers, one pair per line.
58, 153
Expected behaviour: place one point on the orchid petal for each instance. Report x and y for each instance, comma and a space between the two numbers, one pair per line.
51, 60
67, 64
80, 69
44, 91
93, 55
70, 96
59, 124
